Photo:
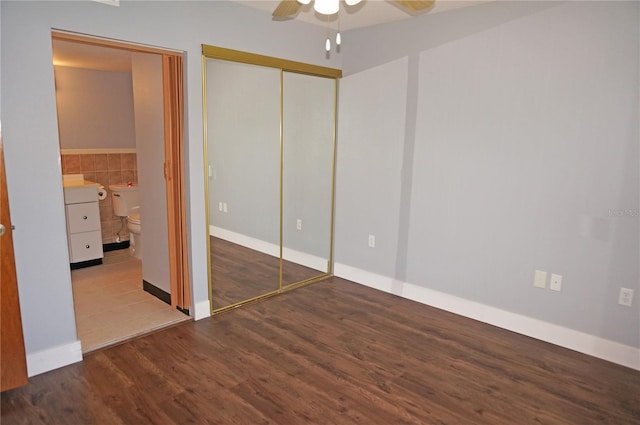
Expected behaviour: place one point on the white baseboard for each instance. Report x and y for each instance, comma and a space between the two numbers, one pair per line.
298, 257
53, 358
201, 310
575, 340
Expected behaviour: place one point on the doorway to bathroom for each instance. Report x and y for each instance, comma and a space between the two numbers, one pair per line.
117, 103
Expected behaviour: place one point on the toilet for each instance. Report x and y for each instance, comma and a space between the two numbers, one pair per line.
125, 200
133, 224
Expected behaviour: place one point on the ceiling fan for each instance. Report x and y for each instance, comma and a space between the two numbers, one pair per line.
288, 8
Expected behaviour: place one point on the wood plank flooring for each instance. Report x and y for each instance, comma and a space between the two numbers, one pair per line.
332, 352
240, 273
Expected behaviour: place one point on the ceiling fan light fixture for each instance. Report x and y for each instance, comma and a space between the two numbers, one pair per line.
326, 7
289, 8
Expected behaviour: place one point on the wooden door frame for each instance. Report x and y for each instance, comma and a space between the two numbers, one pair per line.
173, 106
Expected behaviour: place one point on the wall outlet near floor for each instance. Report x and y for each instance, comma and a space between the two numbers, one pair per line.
540, 279
625, 297
224, 207
299, 224
372, 241
555, 284
219, 206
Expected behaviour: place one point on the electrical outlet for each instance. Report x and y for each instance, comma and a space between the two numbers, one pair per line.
372, 241
219, 206
224, 207
555, 284
625, 297
540, 279
299, 224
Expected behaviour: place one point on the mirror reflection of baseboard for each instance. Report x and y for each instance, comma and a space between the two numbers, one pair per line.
319, 264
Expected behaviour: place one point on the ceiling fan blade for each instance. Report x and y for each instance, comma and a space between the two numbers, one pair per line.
286, 8
415, 5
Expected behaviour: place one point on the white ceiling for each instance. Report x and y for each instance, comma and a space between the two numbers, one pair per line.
367, 13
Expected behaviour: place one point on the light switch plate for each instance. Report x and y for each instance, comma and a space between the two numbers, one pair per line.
625, 297
540, 279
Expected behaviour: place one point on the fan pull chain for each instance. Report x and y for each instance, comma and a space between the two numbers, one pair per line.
327, 45
338, 38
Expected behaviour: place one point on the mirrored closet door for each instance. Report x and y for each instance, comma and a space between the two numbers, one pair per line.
243, 147
269, 162
307, 175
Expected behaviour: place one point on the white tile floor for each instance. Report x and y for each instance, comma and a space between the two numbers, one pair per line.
111, 306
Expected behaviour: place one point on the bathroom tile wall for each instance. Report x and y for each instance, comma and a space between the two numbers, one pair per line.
105, 169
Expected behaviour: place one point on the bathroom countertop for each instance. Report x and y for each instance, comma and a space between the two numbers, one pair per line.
76, 180
76, 183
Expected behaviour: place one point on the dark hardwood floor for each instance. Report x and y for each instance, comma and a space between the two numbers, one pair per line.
240, 273
332, 352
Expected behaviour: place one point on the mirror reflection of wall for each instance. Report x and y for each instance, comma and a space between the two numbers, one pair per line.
307, 175
270, 142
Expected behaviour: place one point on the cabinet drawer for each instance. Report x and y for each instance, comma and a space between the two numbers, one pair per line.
83, 217
78, 194
85, 246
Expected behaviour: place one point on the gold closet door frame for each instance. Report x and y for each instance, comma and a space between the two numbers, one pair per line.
213, 52
284, 65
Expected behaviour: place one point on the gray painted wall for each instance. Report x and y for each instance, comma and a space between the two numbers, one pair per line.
516, 149
146, 72
30, 132
371, 125
95, 109
0, 71
0, 68
378, 179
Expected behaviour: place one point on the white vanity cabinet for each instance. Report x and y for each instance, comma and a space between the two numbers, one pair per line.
83, 222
